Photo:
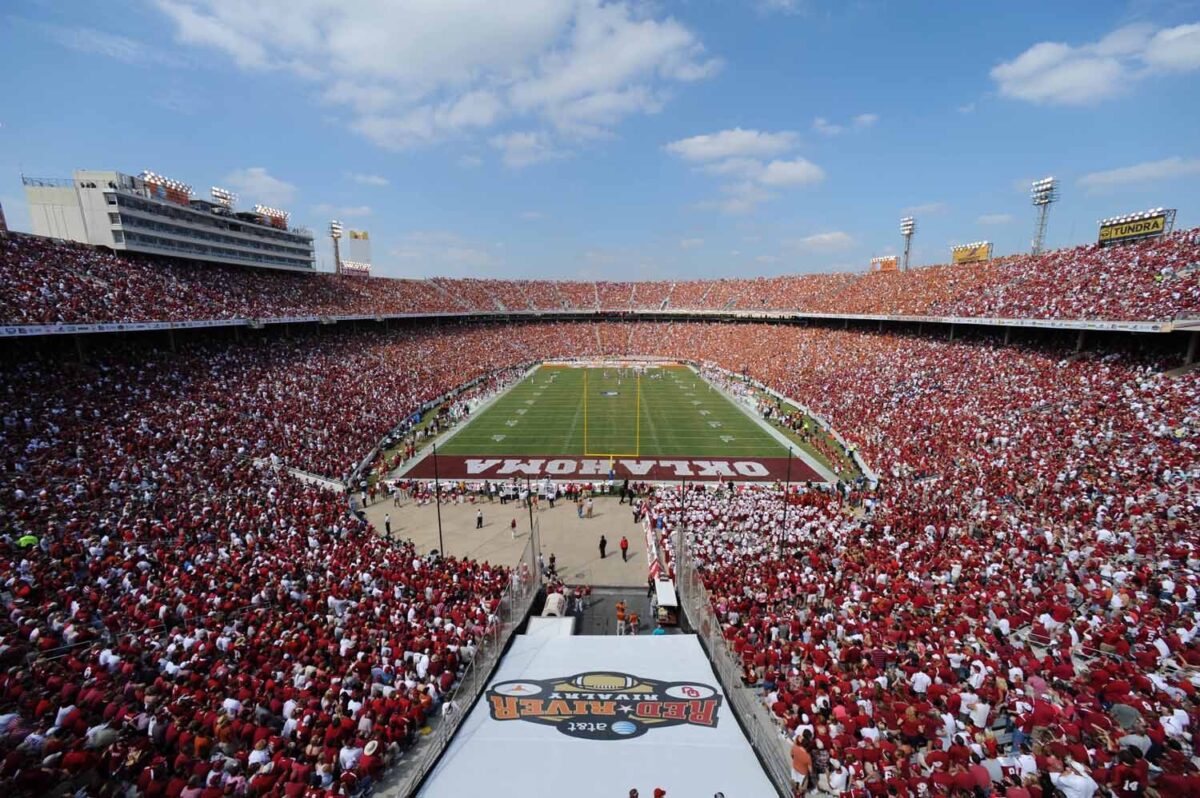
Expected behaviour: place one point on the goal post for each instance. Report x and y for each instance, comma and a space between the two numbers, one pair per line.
637, 422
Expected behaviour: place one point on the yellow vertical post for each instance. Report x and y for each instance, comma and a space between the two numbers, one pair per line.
637, 427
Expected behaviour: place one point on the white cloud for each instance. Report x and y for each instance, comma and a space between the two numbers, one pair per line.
799, 172
691, 243
469, 161
426, 124
415, 72
766, 259
1147, 172
444, 254
780, 6
519, 150
735, 143
532, 216
825, 127
1175, 49
744, 168
256, 186
1054, 73
995, 218
740, 156
369, 180
108, 45
859, 122
342, 211
966, 108
834, 241
926, 208
740, 198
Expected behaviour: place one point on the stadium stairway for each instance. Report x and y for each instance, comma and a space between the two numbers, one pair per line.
599, 616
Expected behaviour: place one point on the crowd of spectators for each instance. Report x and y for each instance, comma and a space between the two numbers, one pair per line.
182, 619
1022, 590
47, 282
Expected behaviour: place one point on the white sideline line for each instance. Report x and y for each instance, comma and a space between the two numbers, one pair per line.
450, 433
787, 443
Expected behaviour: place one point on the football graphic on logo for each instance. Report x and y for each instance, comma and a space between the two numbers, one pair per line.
604, 681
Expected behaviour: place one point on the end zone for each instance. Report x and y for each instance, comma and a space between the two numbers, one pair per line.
708, 469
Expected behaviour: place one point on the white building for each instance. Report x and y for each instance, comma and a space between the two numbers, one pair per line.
155, 216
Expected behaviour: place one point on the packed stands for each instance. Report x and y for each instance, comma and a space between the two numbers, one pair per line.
185, 619
45, 282
811, 291
1025, 575
577, 295
691, 294
651, 295
614, 296
178, 619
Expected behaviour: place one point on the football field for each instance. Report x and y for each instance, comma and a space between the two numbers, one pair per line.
662, 423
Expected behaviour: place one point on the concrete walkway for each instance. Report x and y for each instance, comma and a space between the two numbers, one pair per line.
574, 541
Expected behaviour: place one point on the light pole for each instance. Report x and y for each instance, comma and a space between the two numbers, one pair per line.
437, 493
335, 232
787, 490
908, 226
529, 502
1043, 193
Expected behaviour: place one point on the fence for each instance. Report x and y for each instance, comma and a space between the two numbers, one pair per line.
765, 736
514, 606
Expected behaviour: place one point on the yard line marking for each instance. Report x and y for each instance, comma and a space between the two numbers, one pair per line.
530, 401
497, 438
512, 422
520, 411
704, 412
728, 438
715, 424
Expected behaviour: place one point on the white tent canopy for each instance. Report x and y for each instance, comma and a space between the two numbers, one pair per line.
596, 716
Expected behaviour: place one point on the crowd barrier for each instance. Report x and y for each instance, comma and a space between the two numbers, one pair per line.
764, 735
514, 607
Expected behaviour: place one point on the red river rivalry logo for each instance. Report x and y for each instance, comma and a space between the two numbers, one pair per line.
605, 706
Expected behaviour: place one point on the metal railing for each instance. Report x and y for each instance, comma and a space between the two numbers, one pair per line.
765, 735
514, 606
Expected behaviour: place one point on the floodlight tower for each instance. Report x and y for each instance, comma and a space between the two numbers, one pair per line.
224, 197
1044, 193
908, 226
335, 232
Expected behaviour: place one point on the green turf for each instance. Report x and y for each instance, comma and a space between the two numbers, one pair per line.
680, 415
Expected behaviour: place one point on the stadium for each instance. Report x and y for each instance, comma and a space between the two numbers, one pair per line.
283, 524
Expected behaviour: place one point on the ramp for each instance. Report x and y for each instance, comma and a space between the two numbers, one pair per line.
596, 716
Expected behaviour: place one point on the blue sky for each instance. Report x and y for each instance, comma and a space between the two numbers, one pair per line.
587, 139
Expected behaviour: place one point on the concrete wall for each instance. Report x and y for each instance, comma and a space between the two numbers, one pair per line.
55, 212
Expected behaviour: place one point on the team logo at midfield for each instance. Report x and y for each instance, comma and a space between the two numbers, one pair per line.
605, 706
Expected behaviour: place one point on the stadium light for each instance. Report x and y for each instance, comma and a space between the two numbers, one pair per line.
224, 197
908, 226
335, 232
166, 182
273, 213
1043, 194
